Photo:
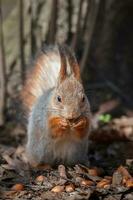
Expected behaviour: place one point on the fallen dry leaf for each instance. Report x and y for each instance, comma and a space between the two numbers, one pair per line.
44, 167
129, 183
58, 188
18, 187
70, 188
124, 172
95, 171
125, 175
62, 171
40, 178
80, 169
86, 182
104, 183
108, 177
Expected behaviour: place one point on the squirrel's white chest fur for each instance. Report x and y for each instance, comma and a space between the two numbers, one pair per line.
69, 151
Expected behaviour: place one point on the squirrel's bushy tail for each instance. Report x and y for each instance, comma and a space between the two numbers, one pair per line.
41, 77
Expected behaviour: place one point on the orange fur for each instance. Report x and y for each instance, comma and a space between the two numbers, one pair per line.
73, 63
81, 127
58, 126
63, 65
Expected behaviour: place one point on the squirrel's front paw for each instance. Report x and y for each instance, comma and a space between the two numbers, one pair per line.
58, 126
81, 127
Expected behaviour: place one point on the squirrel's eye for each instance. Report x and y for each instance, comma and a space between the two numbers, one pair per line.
59, 99
83, 98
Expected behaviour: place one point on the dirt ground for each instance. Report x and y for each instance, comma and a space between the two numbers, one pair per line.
109, 177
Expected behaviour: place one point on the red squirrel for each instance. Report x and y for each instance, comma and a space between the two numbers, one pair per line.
59, 116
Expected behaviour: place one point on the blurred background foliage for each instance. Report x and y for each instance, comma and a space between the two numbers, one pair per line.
99, 31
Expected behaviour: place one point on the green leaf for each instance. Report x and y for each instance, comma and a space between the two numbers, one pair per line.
105, 118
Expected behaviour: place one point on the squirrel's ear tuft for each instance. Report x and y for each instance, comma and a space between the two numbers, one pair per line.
63, 68
73, 64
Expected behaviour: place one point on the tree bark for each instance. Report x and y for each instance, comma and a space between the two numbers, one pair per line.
70, 11
76, 38
92, 17
2, 73
53, 22
33, 5
86, 18
21, 39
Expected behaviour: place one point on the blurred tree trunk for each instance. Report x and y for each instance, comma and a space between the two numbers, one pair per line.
77, 35
95, 41
104, 52
91, 21
86, 18
21, 38
33, 5
2, 73
53, 22
70, 11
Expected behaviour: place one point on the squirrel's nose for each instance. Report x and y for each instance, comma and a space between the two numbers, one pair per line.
73, 116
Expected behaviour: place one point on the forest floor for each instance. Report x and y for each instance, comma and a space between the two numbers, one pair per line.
109, 177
